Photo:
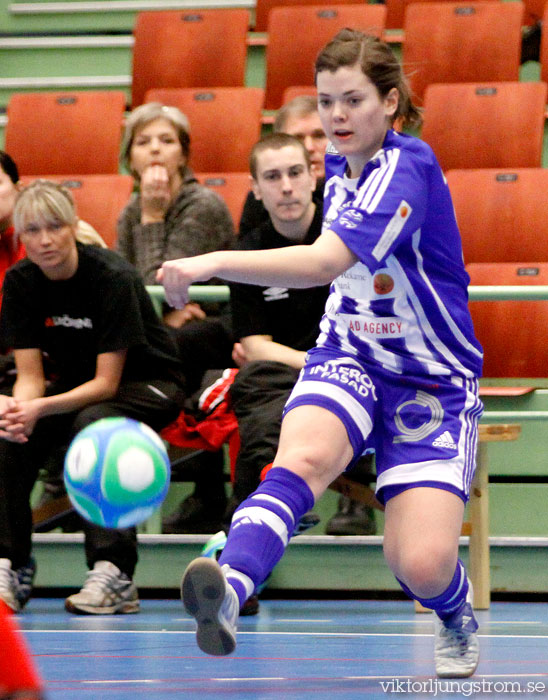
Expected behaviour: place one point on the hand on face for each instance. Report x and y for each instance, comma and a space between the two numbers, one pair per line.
155, 194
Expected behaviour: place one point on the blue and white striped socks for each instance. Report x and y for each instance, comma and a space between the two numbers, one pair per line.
453, 598
261, 528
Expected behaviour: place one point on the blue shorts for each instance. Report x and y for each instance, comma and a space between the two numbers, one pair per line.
423, 430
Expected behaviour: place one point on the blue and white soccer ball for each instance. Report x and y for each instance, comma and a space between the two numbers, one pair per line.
117, 472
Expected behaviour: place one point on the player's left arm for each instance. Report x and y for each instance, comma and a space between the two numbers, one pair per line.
102, 387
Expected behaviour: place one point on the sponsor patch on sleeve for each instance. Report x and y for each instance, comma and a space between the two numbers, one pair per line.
392, 230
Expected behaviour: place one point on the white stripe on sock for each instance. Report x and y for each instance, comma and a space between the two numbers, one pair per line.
276, 501
261, 516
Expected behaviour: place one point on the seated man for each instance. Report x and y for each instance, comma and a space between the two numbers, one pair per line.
275, 326
88, 310
299, 118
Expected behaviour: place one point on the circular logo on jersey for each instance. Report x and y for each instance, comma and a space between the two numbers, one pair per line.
351, 218
383, 283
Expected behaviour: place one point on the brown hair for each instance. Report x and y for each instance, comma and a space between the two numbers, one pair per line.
8, 166
350, 47
275, 141
300, 106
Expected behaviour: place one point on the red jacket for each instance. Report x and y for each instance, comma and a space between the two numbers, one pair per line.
11, 250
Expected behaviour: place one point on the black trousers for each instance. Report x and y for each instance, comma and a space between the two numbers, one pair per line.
258, 396
203, 345
156, 403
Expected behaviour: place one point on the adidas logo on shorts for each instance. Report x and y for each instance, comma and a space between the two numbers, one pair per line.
445, 440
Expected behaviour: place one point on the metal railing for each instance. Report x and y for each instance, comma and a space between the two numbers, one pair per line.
476, 293
221, 292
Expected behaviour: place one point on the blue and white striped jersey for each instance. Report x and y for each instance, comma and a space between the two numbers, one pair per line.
404, 305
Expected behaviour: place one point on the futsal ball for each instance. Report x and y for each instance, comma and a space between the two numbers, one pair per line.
117, 472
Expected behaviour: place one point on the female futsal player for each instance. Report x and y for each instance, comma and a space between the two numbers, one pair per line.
394, 369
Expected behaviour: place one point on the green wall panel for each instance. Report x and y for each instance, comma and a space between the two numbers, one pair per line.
325, 566
48, 62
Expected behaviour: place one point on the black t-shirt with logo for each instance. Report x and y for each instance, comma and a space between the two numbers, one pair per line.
290, 316
103, 307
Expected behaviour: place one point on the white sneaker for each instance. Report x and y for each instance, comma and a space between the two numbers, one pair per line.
212, 601
457, 647
106, 591
8, 585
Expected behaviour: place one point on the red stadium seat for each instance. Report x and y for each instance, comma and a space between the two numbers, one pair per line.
534, 10
224, 124
263, 8
233, 188
192, 48
485, 125
512, 333
501, 213
297, 90
291, 52
462, 42
68, 132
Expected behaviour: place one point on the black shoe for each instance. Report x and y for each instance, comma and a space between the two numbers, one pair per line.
194, 516
251, 606
307, 521
352, 518
25, 579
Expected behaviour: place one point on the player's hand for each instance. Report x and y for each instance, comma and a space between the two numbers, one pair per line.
155, 194
178, 275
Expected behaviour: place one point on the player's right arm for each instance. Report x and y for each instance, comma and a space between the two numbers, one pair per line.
298, 266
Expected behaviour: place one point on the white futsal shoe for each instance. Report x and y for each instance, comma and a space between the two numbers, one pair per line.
457, 648
212, 601
107, 591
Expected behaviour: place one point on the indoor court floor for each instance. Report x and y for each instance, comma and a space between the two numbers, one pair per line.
348, 649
